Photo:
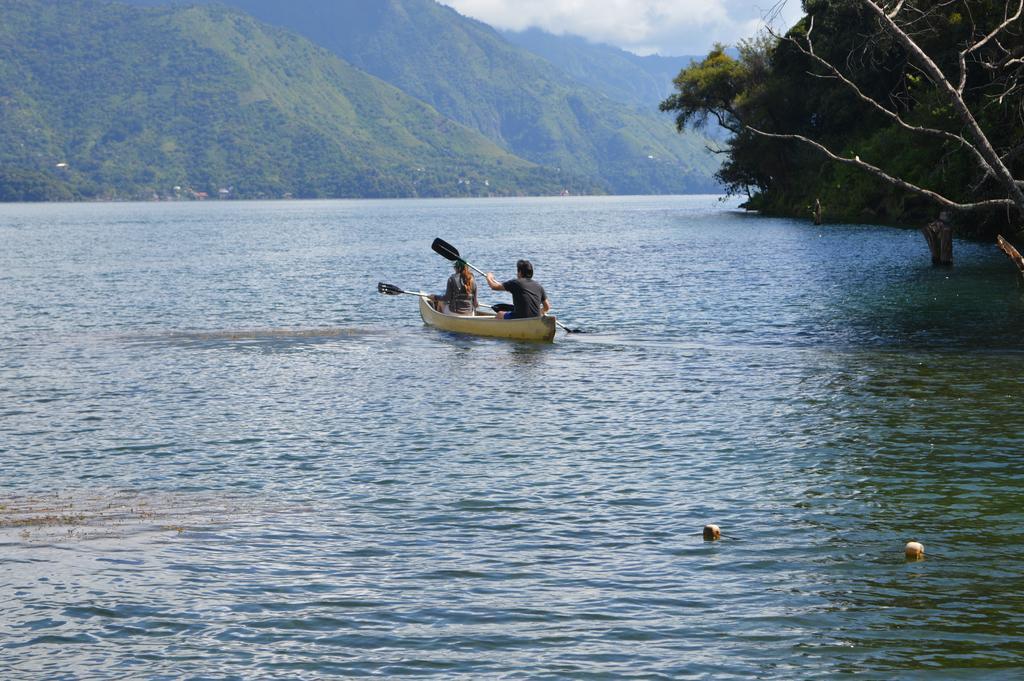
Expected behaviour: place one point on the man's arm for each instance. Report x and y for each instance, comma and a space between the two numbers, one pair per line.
494, 283
546, 306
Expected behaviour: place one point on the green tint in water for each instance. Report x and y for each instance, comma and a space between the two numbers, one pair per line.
415, 502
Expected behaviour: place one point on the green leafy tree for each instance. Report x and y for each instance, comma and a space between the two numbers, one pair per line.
886, 110
26, 185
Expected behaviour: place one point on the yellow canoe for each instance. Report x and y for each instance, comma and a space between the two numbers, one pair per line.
534, 329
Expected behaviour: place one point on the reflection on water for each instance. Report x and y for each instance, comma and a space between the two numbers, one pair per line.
330, 488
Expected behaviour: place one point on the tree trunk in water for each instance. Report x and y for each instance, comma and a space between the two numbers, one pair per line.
817, 211
939, 235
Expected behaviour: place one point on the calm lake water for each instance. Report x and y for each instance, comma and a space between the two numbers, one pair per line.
226, 456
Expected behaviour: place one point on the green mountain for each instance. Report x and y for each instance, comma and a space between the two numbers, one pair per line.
105, 100
526, 104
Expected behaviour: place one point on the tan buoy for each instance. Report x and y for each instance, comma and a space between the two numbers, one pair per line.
914, 550
712, 533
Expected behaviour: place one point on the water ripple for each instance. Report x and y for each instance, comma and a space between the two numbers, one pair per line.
226, 456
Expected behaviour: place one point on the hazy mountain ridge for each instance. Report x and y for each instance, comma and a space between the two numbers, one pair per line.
525, 103
641, 81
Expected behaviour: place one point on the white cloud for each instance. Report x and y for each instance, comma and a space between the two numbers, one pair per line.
669, 27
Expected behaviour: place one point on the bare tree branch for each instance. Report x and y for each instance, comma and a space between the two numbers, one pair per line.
997, 30
896, 9
981, 43
1013, 153
881, 108
1002, 173
774, 12
878, 172
724, 123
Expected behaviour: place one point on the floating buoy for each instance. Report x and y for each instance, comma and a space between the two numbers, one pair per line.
712, 533
914, 550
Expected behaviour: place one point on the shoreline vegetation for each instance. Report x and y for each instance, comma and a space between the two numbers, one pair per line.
906, 114
819, 123
41, 193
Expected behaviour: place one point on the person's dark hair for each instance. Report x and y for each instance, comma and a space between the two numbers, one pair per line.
467, 276
525, 269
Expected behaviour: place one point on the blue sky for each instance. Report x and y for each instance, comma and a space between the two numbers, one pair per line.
668, 27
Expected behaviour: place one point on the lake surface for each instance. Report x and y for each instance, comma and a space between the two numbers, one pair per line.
226, 456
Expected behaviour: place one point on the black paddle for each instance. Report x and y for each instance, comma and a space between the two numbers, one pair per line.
446, 250
392, 290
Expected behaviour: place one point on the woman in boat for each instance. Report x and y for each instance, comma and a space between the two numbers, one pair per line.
460, 293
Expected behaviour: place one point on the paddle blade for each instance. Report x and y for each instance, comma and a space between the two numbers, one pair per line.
445, 249
389, 289
567, 329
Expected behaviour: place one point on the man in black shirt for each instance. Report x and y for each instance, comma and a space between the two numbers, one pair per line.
528, 296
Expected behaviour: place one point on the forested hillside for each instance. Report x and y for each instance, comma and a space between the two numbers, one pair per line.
525, 104
101, 99
845, 110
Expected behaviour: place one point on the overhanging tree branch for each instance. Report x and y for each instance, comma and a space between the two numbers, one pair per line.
878, 172
981, 43
881, 108
1002, 173
899, 6
951, 160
